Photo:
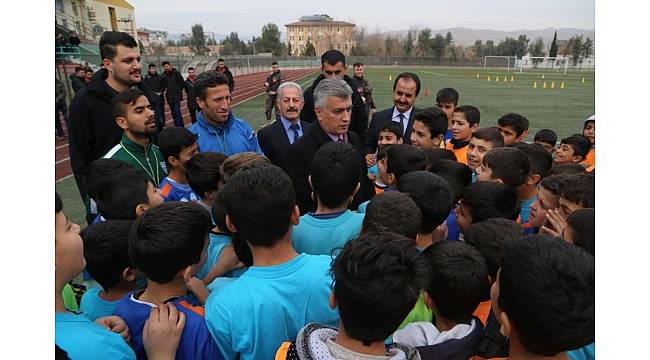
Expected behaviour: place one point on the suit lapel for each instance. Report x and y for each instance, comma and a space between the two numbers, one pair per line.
282, 134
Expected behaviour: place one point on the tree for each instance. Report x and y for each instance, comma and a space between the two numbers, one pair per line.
359, 36
389, 45
232, 45
270, 40
449, 39
197, 43
553, 51
438, 45
575, 48
289, 50
310, 50
537, 49
408, 43
424, 42
490, 49
588, 47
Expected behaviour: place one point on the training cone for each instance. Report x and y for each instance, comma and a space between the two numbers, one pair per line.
488, 77
562, 85
426, 91
512, 78
544, 86
390, 77
478, 75
553, 85
497, 80
534, 84
543, 77
583, 79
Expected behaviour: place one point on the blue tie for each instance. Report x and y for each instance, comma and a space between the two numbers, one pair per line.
296, 135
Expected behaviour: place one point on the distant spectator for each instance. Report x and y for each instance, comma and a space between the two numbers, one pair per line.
60, 107
74, 39
78, 79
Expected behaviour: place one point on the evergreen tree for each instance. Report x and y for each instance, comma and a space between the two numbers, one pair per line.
553, 51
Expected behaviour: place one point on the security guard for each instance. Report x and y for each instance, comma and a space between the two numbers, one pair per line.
272, 82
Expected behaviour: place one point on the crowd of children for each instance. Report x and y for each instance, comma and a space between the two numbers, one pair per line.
476, 245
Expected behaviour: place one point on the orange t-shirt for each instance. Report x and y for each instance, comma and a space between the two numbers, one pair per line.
461, 153
483, 311
590, 159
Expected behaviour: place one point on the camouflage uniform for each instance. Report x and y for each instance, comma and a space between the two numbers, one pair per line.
365, 91
274, 80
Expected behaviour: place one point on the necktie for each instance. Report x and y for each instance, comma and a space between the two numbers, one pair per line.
296, 135
401, 121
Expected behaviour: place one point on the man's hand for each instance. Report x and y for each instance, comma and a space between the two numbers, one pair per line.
115, 324
371, 159
162, 332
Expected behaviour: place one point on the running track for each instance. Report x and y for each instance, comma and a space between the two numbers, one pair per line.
246, 87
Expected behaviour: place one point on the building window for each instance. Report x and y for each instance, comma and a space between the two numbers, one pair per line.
338, 46
59, 5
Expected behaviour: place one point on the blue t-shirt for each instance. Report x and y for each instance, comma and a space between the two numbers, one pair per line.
84, 339
448, 136
525, 209
362, 207
175, 191
320, 235
452, 226
373, 170
584, 353
217, 242
268, 305
95, 307
196, 342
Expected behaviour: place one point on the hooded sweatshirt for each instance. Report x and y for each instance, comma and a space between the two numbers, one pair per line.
458, 343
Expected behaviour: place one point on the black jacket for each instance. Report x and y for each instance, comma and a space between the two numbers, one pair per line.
93, 131
78, 83
359, 120
191, 96
174, 85
274, 141
379, 119
297, 164
155, 82
231, 80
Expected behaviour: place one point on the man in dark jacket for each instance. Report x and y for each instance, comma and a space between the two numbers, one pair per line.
74, 39
192, 105
363, 88
333, 66
93, 131
157, 84
174, 86
333, 104
272, 83
78, 79
60, 108
223, 69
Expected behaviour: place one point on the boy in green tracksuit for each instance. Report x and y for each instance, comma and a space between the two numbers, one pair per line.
134, 115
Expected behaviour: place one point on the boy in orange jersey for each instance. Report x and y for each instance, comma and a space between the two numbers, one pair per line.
464, 121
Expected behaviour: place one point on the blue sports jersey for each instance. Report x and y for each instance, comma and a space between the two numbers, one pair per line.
175, 191
452, 226
84, 339
525, 209
218, 241
584, 353
95, 307
267, 305
448, 136
320, 235
196, 342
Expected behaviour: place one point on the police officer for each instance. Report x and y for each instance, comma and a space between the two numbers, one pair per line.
363, 88
272, 82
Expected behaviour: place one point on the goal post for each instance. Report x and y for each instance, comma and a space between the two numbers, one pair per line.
545, 63
508, 61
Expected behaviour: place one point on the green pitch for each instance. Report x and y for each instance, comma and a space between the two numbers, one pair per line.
563, 110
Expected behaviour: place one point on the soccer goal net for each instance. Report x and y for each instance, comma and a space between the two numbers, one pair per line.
544, 64
492, 61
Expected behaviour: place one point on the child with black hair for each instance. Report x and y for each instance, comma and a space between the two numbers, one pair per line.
447, 100
544, 297
240, 161
547, 138
548, 198
540, 164
399, 160
589, 132
506, 165
458, 283
378, 278
577, 192
177, 145
98, 171
390, 133
69, 326
433, 155
459, 176
435, 198
283, 290
395, 212
573, 149
204, 176
334, 180
567, 169
126, 195
106, 250
168, 244
513, 127
483, 140
429, 128
485, 200
580, 230
465, 121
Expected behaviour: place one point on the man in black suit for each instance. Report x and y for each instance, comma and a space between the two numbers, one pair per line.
275, 138
405, 91
333, 108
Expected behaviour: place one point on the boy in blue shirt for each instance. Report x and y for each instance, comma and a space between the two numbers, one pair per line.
334, 180
458, 283
98, 171
389, 134
459, 176
204, 176
435, 198
127, 195
70, 327
395, 212
177, 145
283, 290
485, 200
168, 245
106, 250
400, 159
540, 164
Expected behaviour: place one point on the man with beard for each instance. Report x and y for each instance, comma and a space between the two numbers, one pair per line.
93, 130
223, 69
272, 82
333, 67
276, 138
133, 114
174, 85
78, 79
192, 105
157, 84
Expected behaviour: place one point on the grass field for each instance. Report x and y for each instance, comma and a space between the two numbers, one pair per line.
563, 110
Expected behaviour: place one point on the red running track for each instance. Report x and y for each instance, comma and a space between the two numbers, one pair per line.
246, 87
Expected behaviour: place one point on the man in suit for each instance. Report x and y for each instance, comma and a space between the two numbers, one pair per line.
333, 108
405, 91
275, 138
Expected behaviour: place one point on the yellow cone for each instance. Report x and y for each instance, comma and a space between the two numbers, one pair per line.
390, 77
534, 84
544, 86
512, 78
583, 79
562, 85
477, 75
497, 79
553, 85
488, 77
543, 76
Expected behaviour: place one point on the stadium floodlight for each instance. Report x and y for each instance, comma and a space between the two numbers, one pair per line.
545, 63
508, 58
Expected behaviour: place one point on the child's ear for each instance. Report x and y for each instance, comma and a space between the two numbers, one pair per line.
474, 127
332, 301
506, 327
174, 162
400, 140
230, 225
295, 215
391, 179
128, 274
121, 122
577, 158
141, 209
428, 301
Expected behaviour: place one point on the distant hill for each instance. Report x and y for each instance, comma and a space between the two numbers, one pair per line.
465, 36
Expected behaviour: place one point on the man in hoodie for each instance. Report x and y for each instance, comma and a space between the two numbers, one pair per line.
93, 130
223, 69
174, 86
333, 67
157, 84
377, 280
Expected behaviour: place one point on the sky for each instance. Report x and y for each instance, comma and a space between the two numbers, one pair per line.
248, 16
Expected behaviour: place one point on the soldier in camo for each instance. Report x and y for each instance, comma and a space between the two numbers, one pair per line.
272, 83
363, 88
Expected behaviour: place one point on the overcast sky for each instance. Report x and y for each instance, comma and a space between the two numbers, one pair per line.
248, 16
